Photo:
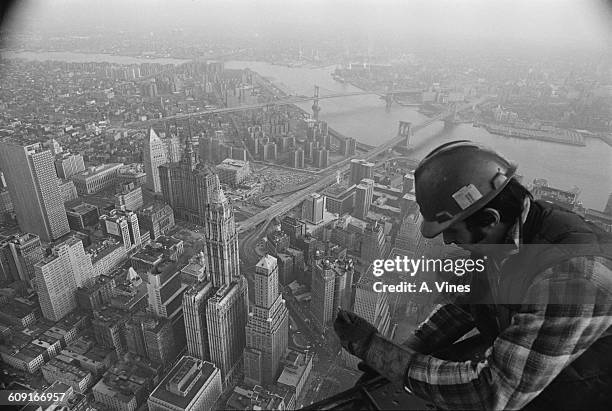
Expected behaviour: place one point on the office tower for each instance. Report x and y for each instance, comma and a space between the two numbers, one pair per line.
129, 198
373, 307
191, 385
187, 187
294, 228
221, 240
226, 318
173, 148
157, 219
18, 255
267, 327
322, 289
124, 226
154, 155
361, 169
159, 340
373, 245
194, 315
34, 189
408, 182
364, 192
165, 291
59, 275
66, 165
312, 208
370, 305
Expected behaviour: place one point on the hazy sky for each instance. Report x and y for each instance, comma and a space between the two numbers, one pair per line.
572, 22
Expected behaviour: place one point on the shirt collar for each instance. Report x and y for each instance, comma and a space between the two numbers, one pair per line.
515, 234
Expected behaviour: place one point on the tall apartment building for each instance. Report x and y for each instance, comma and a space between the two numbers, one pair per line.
364, 193
59, 275
361, 169
226, 318
34, 188
267, 329
154, 155
66, 165
312, 208
188, 187
191, 385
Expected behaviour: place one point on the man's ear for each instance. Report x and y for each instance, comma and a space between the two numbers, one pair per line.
491, 217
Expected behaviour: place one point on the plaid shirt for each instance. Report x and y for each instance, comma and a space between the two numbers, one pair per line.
541, 340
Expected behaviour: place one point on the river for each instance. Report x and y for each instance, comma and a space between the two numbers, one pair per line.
365, 117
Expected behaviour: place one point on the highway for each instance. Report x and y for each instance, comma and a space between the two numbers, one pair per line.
329, 176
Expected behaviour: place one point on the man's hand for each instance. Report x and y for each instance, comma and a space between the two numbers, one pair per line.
354, 332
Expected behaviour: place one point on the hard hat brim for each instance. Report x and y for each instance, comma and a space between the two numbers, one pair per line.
431, 229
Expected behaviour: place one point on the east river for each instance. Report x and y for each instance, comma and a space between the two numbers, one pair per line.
365, 117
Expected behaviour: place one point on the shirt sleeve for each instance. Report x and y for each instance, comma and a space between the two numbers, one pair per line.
527, 356
445, 325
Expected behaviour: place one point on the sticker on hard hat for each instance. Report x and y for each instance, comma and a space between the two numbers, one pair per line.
466, 196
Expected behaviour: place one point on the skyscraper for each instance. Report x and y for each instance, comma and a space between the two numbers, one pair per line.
123, 225
373, 245
194, 314
33, 185
221, 240
312, 208
67, 164
361, 169
18, 254
363, 198
322, 288
267, 327
226, 318
188, 186
59, 275
155, 154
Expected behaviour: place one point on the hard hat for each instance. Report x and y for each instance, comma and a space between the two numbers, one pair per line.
457, 179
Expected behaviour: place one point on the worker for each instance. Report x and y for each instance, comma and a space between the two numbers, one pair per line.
544, 306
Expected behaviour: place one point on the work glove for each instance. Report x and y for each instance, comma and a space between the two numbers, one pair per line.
354, 332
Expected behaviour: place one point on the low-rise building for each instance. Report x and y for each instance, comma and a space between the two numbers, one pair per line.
96, 179
59, 370
233, 172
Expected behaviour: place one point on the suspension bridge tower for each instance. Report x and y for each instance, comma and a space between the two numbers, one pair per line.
405, 131
315, 106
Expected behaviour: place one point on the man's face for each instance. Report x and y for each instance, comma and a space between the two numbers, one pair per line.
480, 240
460, 235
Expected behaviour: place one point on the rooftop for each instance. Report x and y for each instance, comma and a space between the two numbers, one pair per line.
184, 381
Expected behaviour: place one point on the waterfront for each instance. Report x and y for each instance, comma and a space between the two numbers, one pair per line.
74, 57
367, 119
